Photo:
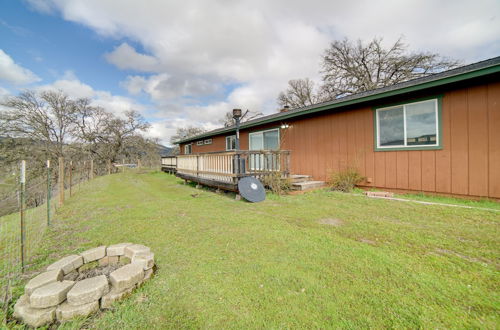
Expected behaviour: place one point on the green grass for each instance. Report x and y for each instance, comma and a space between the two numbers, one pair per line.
232, 264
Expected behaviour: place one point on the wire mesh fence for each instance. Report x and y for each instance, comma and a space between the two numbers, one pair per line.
29, 198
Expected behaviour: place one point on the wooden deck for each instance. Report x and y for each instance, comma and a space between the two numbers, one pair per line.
169, 164
224, 169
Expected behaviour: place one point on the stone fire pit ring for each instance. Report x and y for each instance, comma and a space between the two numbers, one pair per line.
69, 288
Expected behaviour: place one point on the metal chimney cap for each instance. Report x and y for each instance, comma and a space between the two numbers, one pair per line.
236, 113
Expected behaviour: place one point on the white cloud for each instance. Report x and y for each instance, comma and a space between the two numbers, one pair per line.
191, 50
163, 87
14, 73
73, 87
126, 57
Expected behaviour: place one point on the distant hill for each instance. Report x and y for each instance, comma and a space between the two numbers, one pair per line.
164, 151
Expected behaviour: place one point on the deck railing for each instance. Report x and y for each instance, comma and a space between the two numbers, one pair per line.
228, 167
169, 163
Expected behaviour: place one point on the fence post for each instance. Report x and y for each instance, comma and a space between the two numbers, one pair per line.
22, 181
49, 192
84, 169
61, 181
91, 176
80, 173
70, 178
109, 166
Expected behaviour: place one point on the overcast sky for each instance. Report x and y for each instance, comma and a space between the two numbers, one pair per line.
188, 62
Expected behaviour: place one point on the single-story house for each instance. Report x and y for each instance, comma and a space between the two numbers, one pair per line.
436, 134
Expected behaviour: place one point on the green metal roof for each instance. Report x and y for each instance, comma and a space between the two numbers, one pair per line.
463, 73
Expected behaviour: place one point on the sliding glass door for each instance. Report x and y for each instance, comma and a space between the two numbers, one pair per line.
264, 140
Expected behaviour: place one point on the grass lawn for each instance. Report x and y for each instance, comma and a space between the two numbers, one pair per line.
318, 260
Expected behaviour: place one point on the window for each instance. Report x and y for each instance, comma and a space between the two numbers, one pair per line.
265, 140
412, 125
231, 142
208, 141
187, 149
199, 143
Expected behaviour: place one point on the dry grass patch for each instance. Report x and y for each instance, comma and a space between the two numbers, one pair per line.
331, 222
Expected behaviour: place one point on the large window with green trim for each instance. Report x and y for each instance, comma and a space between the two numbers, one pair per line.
265, 140
408, 126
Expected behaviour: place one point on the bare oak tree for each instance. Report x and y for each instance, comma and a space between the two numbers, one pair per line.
350, 68
184, 133
300, 93
46, 118
353, 67
92, 127
119, 133
50, 124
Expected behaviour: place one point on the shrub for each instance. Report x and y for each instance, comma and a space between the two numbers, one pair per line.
276, 183
345, 180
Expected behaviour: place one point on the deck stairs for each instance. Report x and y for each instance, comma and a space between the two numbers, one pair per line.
305, 182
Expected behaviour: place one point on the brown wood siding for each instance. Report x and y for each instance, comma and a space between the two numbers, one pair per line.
468, 163
478, 134
459, 142
218, 144
493, 93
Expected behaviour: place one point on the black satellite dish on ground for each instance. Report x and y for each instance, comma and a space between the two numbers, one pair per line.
251, 189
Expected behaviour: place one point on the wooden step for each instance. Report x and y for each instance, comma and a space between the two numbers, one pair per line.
296, 178
308, 185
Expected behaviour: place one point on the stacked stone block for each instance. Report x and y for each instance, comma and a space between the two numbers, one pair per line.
49, 297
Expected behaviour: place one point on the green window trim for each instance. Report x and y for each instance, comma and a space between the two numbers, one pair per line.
439, 102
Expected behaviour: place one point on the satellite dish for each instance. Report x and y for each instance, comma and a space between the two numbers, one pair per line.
251, 189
